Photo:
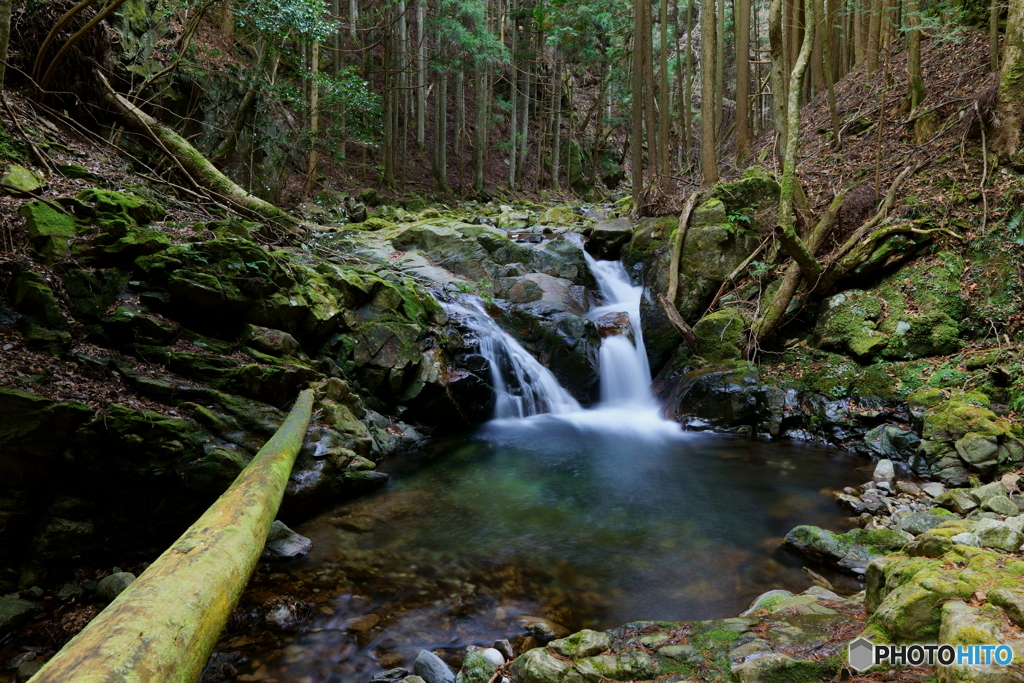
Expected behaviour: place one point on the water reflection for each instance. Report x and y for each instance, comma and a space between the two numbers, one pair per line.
549, 520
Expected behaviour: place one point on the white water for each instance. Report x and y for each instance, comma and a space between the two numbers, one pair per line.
531, 389
524, 388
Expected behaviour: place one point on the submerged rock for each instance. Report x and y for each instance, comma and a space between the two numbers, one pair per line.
851, 551
285, 544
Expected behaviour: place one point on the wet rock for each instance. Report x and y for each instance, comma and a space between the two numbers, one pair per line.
766, 600
893, 443
27, 670
540, 666
959, 501
541, 627
111, 586
918, 523
614, 324
608, 237
390, 676
884, 471
69, 592
493, 655
432, 668
364, 624
285, 544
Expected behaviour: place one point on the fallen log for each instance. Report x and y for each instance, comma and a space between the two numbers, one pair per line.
164, 625
196, 167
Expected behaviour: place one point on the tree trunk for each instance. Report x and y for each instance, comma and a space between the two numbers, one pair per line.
637, 82
1010, 108
421, 76
719, 66
874, 37
742, 18
650, 110
787, 218
313, 120
665, 112
514, 84
776, 40
993, 35
708, 159
917, 89
556, 126
828, 19
441, 133
687, 117
164, 626
5, 38
480, 129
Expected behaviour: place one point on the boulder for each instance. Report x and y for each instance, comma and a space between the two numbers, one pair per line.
432, 668
851, 551
19, 180
14, 612
609, 236
476, 668
284, 544
111, 586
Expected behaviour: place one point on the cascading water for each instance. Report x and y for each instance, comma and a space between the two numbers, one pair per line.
530, 388
625, 372
525, 388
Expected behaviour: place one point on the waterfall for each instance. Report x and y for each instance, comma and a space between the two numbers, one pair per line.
522, 386
625, 372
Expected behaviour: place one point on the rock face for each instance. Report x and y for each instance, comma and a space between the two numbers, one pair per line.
758, 647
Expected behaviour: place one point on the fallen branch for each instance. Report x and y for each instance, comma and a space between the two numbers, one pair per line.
677, 246
685, 331
731, 277
70, 42
164, 626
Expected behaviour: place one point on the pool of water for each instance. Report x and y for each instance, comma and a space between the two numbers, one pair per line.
584, 525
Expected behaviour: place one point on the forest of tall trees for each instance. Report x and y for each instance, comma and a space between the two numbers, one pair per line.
557, 94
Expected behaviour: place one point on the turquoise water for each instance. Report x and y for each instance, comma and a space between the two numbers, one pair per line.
585, 526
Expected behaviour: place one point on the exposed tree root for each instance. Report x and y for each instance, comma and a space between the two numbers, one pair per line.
677, 247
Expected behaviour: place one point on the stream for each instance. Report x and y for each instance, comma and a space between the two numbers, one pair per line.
549, 519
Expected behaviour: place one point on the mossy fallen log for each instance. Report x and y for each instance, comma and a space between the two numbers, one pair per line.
164, 626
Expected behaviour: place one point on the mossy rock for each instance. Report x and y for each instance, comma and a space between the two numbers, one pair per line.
711, 212
76, 171
756, 188
19, 180
49, 230
90, 294
34, 297
121, 204
905, 594
374, 224
559, 215
720, 334
851, 551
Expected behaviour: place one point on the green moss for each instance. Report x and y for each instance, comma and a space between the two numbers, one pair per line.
720, 335
121, 204
875, 383
49, 230
34, 298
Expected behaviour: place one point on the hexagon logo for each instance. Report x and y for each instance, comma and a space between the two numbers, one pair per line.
861, 654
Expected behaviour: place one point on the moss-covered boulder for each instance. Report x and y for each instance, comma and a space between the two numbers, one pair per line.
720, 335
850, 551
19, 180
906, 594
49, 230
121, 204
33, 297
914, 313
961, 435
